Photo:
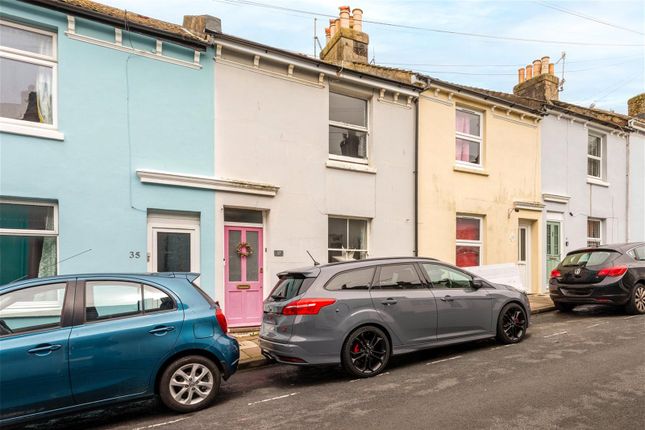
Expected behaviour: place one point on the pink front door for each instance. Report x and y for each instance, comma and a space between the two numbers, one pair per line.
243, 272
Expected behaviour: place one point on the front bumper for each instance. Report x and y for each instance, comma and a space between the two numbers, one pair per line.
613, 294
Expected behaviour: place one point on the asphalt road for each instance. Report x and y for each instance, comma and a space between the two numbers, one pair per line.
585, 370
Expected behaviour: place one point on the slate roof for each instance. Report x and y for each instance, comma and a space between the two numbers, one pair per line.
136, 22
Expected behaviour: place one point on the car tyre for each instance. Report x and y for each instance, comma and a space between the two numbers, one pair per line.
564, 307
189, 384
366, 352
636, 303
511, 324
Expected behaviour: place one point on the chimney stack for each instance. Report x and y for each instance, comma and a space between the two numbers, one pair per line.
202, 24
538, 81
346, 41
636, 106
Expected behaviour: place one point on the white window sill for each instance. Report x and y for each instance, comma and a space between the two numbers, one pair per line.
470, 169
354, 167
596, 181
26, 130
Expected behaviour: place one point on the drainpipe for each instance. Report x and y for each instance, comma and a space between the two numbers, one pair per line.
628, 189
416, 180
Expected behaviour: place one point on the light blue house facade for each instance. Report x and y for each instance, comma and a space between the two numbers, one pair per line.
97, 110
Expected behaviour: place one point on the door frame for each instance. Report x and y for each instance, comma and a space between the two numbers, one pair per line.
261, 262
173, 223
527, 262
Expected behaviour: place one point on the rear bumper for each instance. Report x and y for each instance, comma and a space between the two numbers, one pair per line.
613, 294
291, 353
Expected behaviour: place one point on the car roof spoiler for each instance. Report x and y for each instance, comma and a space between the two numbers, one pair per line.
190, 276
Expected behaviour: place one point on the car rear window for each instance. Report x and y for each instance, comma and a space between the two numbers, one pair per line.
588, 258
290, 286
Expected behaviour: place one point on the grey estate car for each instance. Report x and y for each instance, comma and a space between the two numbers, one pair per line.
359, 313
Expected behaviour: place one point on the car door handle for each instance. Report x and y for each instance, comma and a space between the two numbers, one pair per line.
159, 331
44, 349
389, 302
446, 299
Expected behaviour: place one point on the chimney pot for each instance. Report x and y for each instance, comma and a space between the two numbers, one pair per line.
344, 16
551, 69
327, 34
520, 75
537, 68
358, 19
529, 72
545, 64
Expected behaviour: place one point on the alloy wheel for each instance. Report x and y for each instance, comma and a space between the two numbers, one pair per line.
368, 352
639, 299
191, 384
514, 324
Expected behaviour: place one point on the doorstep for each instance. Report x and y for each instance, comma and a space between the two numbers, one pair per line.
540, 303
251, 355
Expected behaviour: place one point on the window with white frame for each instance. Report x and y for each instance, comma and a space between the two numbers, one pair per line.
468, 139
469, 241
594, 232
347, 239
28, 78
28, 240
595, 156
348, 128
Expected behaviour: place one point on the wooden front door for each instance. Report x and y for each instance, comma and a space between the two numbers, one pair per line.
243, 275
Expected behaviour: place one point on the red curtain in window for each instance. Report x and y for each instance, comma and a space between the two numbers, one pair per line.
468, 229
467, 256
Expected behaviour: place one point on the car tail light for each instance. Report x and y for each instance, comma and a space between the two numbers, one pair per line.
221, 319
306, 306
613, 271
555, 273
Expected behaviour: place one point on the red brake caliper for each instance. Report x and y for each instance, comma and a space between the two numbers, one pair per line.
356, 348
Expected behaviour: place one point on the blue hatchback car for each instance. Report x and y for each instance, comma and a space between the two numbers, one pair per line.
77, 341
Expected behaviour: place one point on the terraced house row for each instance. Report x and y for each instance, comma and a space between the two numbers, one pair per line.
130, 144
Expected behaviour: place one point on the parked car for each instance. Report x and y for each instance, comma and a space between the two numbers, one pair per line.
360, 313
69, 342
610, 274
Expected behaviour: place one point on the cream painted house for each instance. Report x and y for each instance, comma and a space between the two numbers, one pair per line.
479, 179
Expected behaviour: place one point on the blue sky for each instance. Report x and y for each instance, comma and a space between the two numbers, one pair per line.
604, 75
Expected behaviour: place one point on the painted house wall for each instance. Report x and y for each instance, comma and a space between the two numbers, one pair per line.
275, 130
511, 173
118, 113
564, 173
637, 187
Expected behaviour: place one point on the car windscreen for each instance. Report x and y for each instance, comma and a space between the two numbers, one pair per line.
290, 286
588, 258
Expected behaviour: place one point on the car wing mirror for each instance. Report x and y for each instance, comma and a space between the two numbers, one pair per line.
477, 283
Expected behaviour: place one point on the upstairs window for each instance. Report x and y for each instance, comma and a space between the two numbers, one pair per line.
28, 78
595, 156
468, 137
594, 232
347, 128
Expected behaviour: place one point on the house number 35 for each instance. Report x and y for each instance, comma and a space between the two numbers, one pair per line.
135, 254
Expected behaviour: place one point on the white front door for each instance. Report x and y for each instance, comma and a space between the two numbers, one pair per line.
173, 243
524, 255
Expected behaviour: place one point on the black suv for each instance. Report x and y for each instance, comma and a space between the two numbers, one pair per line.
609, 274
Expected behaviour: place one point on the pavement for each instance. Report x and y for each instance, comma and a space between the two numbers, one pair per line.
251, 356
580, 370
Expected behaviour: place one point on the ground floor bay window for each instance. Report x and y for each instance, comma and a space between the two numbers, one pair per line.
347, 239
28, 240
469, 241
